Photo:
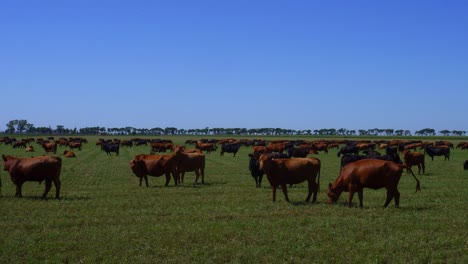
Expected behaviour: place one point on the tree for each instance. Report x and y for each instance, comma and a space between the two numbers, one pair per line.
11, 127
445, 132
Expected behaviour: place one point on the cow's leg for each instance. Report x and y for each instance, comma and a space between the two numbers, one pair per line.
202, 172
146, 180
423, 168
352, 190
57, 185
260, 181
361, 196
19, 186
284, 188
397, 198
182, 177
197, 174
390, 194
48, 184
273, 189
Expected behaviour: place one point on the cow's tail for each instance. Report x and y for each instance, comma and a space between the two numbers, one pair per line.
418, 187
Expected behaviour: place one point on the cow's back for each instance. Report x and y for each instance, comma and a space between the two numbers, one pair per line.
38, 168
372, 173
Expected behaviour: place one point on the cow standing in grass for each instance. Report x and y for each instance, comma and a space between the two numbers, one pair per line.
36, 169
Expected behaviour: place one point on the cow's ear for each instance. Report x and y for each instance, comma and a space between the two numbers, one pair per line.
4, 157
330, 185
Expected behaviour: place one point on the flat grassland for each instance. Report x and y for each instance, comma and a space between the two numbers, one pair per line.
104, 216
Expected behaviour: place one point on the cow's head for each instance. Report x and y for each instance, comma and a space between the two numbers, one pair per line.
333, 194
138, 167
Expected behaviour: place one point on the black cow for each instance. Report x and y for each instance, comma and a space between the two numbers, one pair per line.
110, 147
465, 165
348, 149
254, 166
230, 148
346, 159
437, 151
297, 152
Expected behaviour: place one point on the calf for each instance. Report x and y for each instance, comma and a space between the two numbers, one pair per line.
465, 165
368, 173
69, 154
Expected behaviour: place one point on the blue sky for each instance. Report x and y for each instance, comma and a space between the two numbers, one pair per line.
253, 64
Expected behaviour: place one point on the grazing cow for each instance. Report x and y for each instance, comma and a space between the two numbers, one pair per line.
50, 147
465, 165
208, 147
230, 148
414, 159
186, 162
37, 169
160, 147
110, 147
69, 154
281, 172
348, 149
154, 165
368, 173
320, 147
438, 151
74, 145
127, 143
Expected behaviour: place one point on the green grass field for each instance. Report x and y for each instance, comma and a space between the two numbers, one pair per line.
104, 216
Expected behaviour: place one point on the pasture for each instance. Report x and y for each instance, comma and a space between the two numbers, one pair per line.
104, 216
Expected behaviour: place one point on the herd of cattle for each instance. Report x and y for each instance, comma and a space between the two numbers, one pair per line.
284, 162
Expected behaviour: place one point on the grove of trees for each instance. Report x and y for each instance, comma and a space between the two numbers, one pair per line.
24, 127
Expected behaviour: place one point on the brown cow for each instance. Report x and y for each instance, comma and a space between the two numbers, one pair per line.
50, 147
414, 159
276, 147
208, 147
37, 169
154, 165
69, 154
186, 162
73, 145
281, 172
368, 173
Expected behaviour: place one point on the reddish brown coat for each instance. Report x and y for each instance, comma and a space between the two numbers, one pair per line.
368, 173
36, 169
281, 172
154, 165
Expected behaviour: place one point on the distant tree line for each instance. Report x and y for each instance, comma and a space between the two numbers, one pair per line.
24, 127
